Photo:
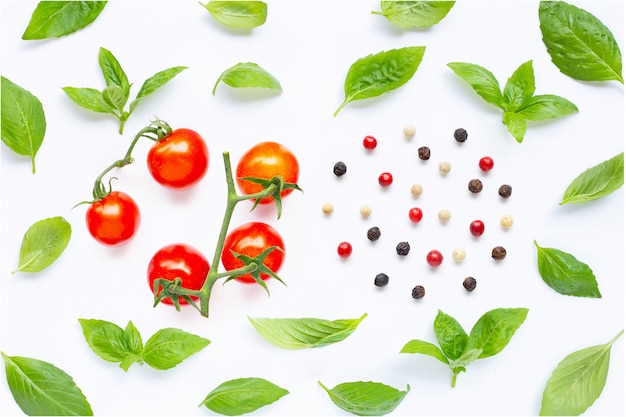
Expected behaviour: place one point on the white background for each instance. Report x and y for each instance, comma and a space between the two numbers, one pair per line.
309, 46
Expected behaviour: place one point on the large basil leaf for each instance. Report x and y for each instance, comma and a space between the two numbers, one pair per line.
243, 395
494, 329
89, 98
248, 75
43, 243
481, 80
450, 335
238, 14
111, 343
546, 106
53, 19
113, 73
580, 45
366, 398
414, 13
596, 182
168, 347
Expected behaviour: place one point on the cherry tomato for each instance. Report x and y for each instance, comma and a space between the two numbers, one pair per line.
251, 239
267, 160
114, 219
179, 160
178, 261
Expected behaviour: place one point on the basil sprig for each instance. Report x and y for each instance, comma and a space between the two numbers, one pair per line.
248, 75
580, 45
238, 14
366, 398
596, 182
242, 395
43, 243
414, 13
53, 19
517, 100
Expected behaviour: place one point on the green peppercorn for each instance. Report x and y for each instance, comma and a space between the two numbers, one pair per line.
505, 191
424, 153
381, 280
475, 186
469, 284
340, 169
373, 233
418, 292
403, 248
498, 253
460, 135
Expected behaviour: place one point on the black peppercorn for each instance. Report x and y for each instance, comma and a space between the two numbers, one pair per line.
418, 292
469, 284
381, 280
424, 153
505, 191
340, 168
460, 135
498, 253
373, 233
475, 186
403, 248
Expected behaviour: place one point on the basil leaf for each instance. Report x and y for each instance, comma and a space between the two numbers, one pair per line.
366, 398
153, 83
515, 124
565, 274
596, 182
40, 388
377, 74
519, 87
465, 359
134, 346
481, 80
248, 74
425, 348
169, 347
450, 335
418, 14
53, 19
243, 395
112, 71
111, 343
114, 96
23, 120
238, 14
43, 243
304, 333
494, 329
546, 106
577, 381
580, 45
88, 98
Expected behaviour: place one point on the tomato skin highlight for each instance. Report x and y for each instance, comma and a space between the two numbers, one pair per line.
266, 160
114, 219
179, 261
251, 239
179, 160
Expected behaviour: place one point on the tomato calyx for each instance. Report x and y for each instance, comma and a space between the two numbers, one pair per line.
255, 266
172, 290
271, 188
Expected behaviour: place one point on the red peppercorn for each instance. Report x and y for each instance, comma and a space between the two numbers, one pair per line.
415, 214
344, 249
385, 179
477, 228
434, 258
369, 142
485, 163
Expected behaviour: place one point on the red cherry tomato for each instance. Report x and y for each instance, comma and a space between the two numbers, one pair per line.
251, 239
178, 261
179, 160
114, 219
267, 160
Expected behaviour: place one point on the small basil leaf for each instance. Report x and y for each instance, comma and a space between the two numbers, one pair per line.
596, 182
546, 106
238, 14
153, 83
43, 243
243, 395
494, 329
414, 13
304, 333
519, 87
134, 346
450, 335
248, 75
89, 98
577, 381
380, 73
580, 45
113, 73
168, 347
465, 359
366, 398
515, 124
109, 341
481, 80
53, 19
114, 96
565, 274
425, 348
41, 389
23, 124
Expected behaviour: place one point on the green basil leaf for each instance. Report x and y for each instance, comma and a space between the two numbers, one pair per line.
481, 80
577, 381
596, 182
565, 274
133, 345
153, 83
465, 359
43, 243
113, 73
366, 398
89, 98
377, 74
425, 348
546, 106
53, 19
169, 347
519, 88
247, 75
580, 45
114, 96
494, 329
243, 395
23, 123
238, 14
304, 333
515, 124
415, 14
450, 335
41, 389
111, 343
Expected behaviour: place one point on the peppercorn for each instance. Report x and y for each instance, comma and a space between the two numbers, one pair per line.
460, 135
469, 284
444, 215
373, 233
381, 280
458, 254
475, 186
506, 221
327, 208
444, 167
340, 168
505, 191
424, 153
365, 210
498, 253
409, 131
416, 190
403, 248
418, 292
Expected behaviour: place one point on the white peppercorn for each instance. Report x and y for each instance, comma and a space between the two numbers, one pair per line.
327, 208
417, 189
444, 215
458, 254
409, 131
444, 167
365, 210
506, 221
